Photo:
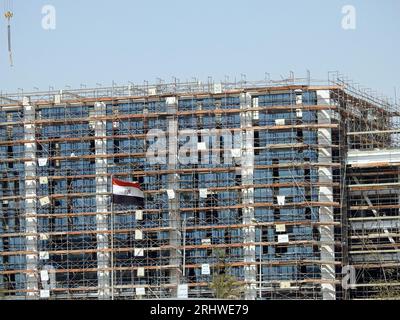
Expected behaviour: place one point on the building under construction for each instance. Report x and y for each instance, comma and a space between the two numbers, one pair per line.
312, 188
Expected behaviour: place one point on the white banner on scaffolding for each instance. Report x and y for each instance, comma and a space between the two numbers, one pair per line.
283, 238
140, 291
205, 269
183, 291
139, 215
203, 193
42, 162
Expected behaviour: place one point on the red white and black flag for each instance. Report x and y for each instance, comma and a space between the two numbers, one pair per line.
127, 192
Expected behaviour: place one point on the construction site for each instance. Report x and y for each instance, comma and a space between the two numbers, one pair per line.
313, 188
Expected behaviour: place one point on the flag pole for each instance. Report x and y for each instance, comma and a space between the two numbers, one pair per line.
112, 238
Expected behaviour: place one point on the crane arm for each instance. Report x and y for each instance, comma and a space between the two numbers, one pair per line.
8, 15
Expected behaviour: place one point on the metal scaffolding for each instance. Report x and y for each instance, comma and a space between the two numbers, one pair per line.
281, 212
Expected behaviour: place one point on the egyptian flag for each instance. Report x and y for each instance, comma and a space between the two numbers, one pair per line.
127, 193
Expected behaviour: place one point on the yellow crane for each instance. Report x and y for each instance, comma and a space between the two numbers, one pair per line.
8, 14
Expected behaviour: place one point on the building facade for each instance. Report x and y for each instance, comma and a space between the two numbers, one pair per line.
269, 195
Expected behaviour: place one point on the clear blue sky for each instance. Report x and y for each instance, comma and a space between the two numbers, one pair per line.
97, 41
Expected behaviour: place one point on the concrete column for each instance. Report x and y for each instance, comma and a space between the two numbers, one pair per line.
102, 219
247, 171
175, 223
326, 195
32, 258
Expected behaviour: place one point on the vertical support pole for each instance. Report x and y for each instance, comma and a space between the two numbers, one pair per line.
247, 171
175, 235
184, 249
327, 238
260, 257
32, 281
103, 257
112, 245
112, 239
398, 181
3, 217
